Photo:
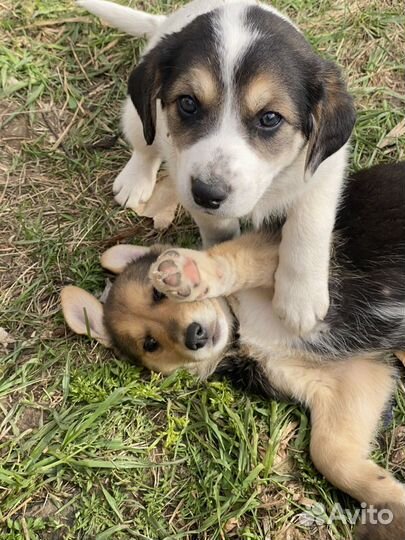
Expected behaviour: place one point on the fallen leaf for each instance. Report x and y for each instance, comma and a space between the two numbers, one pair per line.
391, 137
231, 525
5, 338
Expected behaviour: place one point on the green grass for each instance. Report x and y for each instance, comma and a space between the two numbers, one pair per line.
90, 446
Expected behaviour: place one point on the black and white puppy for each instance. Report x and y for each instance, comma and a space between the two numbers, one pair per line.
250, 122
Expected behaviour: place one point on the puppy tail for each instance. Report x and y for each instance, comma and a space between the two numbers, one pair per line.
388, 523
133, 22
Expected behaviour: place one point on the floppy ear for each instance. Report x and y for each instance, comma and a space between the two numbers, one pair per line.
117, 258
84, 314
333, 119
143, 88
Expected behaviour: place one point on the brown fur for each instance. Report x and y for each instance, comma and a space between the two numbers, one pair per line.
246, 262
346, 397
392, 531
346, 400
249, 261
199, 82
265, 93
328, 114
131, 315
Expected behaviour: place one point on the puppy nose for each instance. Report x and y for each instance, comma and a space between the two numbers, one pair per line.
208, 195
196, 336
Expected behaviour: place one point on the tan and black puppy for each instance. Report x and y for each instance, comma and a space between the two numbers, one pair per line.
251, 123
172, 308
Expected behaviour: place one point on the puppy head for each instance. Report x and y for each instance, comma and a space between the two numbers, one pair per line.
144, 325
244, 98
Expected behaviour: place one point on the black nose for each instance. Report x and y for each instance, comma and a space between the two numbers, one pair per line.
196, 336
208, 195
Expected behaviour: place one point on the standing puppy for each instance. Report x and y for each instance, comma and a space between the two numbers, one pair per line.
251, 123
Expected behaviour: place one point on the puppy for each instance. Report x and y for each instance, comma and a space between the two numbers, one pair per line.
250, 122
223, 321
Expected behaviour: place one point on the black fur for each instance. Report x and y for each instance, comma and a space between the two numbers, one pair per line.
326, 110
143, 87
369, 260
247, 374
174, 54
136, 271
369, 272
370, 265
371, 217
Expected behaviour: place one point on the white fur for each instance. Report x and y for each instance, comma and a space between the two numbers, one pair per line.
133, 22
226, 147
301, 290
259, 187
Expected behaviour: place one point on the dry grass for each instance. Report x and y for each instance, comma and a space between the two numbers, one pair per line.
91, 447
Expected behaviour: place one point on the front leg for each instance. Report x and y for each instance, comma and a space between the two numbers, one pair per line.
135, 183
189, 275
301, 297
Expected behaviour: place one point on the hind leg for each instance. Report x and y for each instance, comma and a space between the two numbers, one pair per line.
345, 415
135, 183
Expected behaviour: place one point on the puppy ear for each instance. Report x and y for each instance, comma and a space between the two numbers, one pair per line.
143, 88
84, 314
333, 118
117, 258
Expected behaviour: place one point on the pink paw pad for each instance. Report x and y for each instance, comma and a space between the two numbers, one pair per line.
191, 271
171, 275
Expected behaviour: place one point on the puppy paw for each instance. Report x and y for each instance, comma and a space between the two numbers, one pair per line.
132, 191
301, 304
184, 274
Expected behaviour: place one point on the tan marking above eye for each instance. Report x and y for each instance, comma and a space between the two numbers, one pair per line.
265, 93
133, 317
200, 82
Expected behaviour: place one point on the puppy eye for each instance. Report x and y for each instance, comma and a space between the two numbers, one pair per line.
270, 120
187, 105
150, 344
157, 295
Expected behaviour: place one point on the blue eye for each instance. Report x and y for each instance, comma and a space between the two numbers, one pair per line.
187, 105
270, 120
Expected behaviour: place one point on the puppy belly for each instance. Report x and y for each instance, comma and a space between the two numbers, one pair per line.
259, 325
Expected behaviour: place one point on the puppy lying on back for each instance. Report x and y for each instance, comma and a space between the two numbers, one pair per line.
250, 122
222, 320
